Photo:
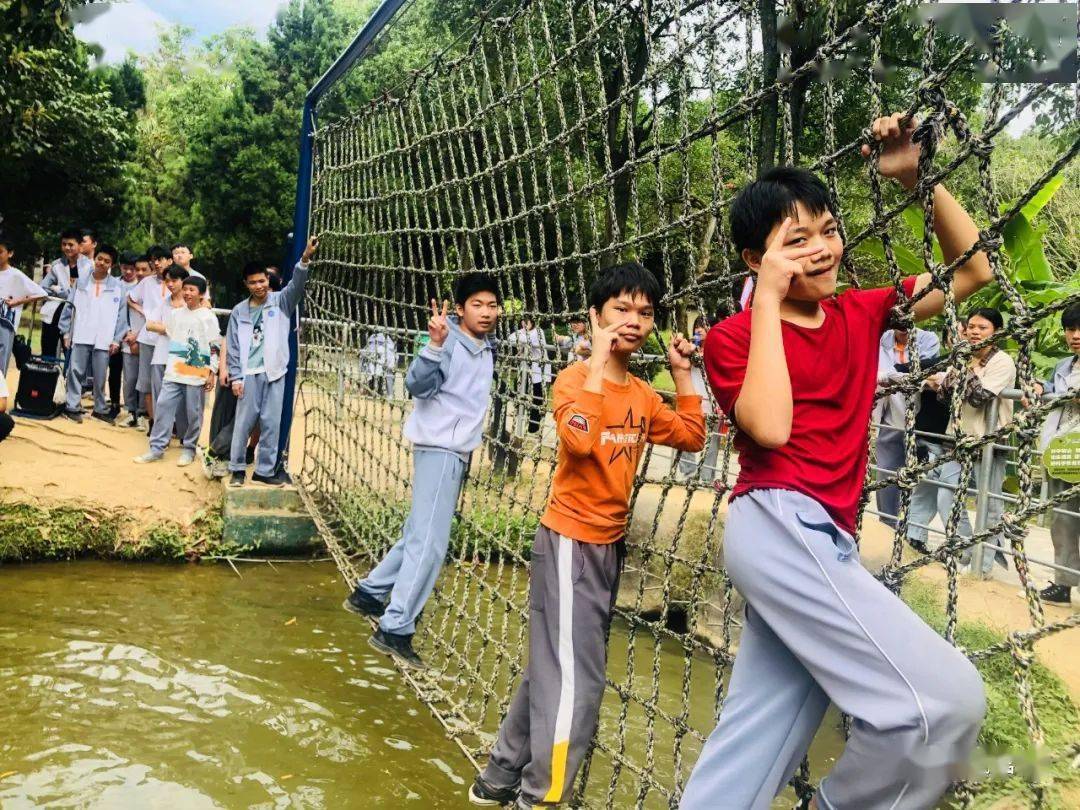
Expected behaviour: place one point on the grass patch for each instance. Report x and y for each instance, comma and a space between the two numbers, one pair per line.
1004, 731
29, 532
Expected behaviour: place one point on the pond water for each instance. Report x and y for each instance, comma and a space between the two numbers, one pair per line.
187, 687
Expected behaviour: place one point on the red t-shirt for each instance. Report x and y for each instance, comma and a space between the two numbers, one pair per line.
833, 371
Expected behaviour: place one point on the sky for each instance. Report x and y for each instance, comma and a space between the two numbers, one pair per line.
133, 24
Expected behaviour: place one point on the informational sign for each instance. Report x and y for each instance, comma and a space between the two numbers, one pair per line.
1062, 457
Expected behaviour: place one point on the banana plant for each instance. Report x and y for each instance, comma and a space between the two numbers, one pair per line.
1026, 266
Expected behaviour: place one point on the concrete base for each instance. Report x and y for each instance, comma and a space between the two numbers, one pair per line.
269, 521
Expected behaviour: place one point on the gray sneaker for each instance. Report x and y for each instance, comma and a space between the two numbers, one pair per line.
148, 457
187, 456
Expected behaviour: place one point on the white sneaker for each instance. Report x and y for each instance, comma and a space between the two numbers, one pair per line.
148, 457
144, 423
186, 457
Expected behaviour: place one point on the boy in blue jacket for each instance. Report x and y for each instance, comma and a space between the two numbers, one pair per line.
450, 382
257, 354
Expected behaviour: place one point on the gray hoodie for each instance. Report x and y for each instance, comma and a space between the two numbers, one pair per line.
451, 388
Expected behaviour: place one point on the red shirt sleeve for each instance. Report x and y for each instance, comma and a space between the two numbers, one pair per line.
727, 347
876, 304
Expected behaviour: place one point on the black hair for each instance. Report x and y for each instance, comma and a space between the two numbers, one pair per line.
128, 257
180, 245
71, 233
7, 242
176, 271
275, 278
701, 322
470, 284
987, 313
84, 232
155, 252
1070, 317
253, 269
109, 251
198, 282
768, 200
578, 318
630, 278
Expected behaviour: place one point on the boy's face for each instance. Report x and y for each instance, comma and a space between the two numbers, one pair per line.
173, 285
1072, 338
192, 296
103, 263
978, 329
479, 313
5, 255
258, 285
70, 249
87, 246
142, 269
127, 272
636, 313
161, 263
181, 256
818, 280
578, 327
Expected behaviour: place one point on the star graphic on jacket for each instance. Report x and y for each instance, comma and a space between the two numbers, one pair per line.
627, 426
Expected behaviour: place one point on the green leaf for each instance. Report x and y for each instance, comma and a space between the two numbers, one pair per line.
1025, 251
1039, 201
906, 260
913, 216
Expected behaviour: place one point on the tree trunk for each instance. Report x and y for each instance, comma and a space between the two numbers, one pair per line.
770, 68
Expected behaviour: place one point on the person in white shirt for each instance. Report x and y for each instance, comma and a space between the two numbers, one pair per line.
576, 344
88, 243
93, 331
145, 301
182, 257
537, 370
16, 290
379, 363
134, 403
193, 341
62, 275
175, 276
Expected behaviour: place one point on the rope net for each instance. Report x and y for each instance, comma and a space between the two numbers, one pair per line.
554, 139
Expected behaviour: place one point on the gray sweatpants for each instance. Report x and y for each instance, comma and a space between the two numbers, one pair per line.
1065, 532
929, 499
175, 401
132, 399
688, 464
146, 354
408, 571
7, 345
552, 718
819, 628
84, 359
889, 453
260, 404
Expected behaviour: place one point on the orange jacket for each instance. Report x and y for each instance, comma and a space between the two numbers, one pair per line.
601, 439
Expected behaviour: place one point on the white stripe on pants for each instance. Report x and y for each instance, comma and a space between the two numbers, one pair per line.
819, 628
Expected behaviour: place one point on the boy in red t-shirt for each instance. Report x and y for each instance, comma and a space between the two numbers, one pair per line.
796, 373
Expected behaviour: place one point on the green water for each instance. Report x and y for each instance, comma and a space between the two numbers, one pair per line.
148, 686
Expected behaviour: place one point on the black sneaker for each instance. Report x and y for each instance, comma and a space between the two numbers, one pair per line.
1056, 594
484, 794
398, 647
237, 479
114, 412
74, 416
274, 480
104, 417
363, 604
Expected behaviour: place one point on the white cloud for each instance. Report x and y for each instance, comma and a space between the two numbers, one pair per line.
125, 27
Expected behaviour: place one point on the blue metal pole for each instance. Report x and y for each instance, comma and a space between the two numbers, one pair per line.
302, 214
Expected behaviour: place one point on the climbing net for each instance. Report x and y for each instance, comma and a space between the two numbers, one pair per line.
555, 138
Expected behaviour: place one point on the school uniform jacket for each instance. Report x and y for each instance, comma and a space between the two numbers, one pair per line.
276, 320
100, 316
57, 282
1058, 384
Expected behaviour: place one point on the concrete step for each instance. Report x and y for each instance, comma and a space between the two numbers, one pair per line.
269, 521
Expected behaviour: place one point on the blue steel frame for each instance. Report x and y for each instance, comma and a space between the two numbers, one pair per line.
302, 214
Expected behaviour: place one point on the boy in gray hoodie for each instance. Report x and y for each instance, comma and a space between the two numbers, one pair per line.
450, 382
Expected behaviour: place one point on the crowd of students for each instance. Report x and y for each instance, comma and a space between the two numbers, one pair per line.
142, 326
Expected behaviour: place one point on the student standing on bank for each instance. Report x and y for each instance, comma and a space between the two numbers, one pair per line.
62, 275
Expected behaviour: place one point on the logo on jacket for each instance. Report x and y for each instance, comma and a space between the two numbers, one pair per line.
578, 422
626, 437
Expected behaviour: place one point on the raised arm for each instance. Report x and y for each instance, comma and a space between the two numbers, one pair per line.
293, 293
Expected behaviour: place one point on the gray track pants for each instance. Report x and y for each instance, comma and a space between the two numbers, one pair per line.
890, 457
929, 499
819, 627
408, 572
175, 401
132, 399
552, 718
146, 354
7, 346
260, 404
1065, 532
84, 359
